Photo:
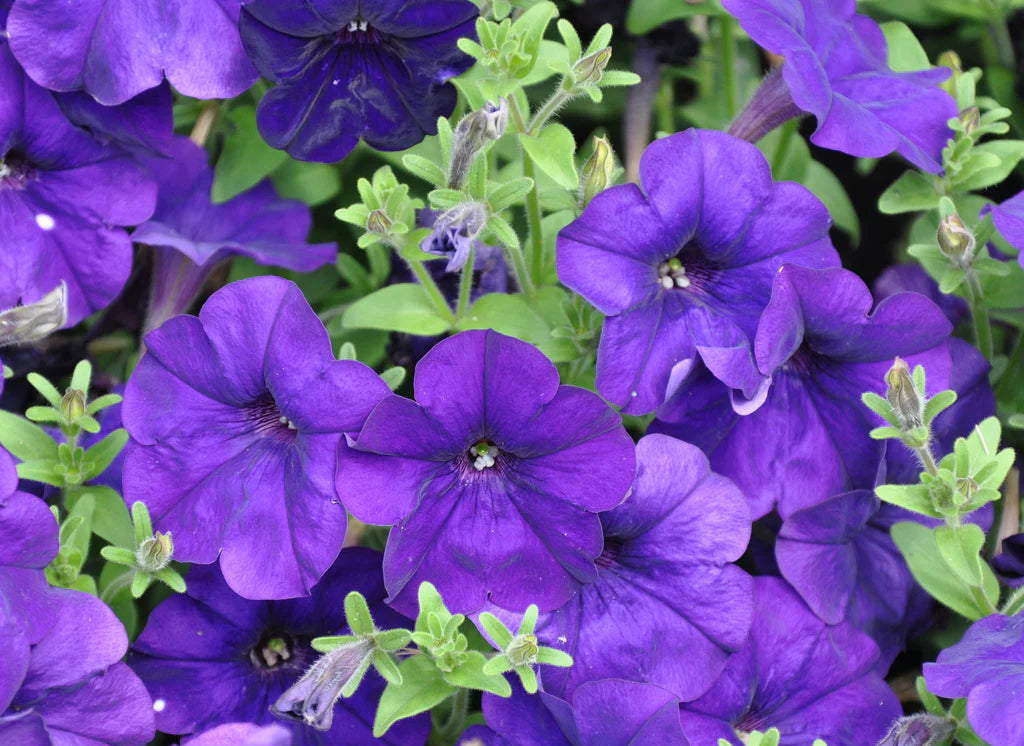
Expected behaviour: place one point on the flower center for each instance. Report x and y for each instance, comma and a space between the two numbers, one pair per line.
483, 455
266, 419
15, 172
272, 652
610, 556
358, 31
672, 274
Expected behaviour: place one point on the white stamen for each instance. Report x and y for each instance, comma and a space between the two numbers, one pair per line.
353, 26
682, 282
285, 421
5, 170
46, 222
363, 25
159, 705
484, 459
666, 282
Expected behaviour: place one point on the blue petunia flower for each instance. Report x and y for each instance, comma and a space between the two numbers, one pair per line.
348, 70
1008, 217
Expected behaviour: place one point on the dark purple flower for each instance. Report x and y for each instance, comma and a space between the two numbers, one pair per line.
913, 278
493, 476
836, 68
69, 686
28, 541
235, 418
348, 70
116, 49
1009, 565
987, 667
798, 674
141, 125
822, 346
609, 712
63, 199
684, 268
839, 557
210, 657
242, 734
1009, 220
192, 235
667, 606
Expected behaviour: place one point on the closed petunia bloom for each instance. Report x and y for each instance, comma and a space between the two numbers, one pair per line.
236, 417
987, 667
836, 68
115, 49
492, 478
348, 70
683, 267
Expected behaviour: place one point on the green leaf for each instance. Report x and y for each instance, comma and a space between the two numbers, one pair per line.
170, 577
246, 159
1008, 152
470, 675
826, 186
141, 521
509, 193
553, 151
905, 52
422, 688
103, 453
44, 387
121, 600
941, 401
912, 192
312, 183
140, 583
393, 376
514, 316
929, 568
425, 169
387, 667
645, 15
553, 657
357, 614
40, 470
529, 29
405, 307
504, 232
24, 440
111, 521
429, 603
329, 643
102, 402
81, 376
119, 555
500, 634
43, 414
913, 497
959, 548
393, 639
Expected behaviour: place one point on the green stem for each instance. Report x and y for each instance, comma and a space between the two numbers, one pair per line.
927, 460
533, 214
436, 297
456, 720
726, 27
664, 105
117, 585
515, 256
786, 133
465, 285
982, 327
1011, 374
552, 105
982, 600
1003, 42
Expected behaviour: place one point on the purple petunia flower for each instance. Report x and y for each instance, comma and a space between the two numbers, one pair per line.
63, 197
913, 278
664, 576
1009, 565
235, 418
609, 712
684, 268
987, 667
242, 734
836, 68
116, 49
68, 686
191, 235
839, 557
822, 346
799, 675
492, 475
28, 541
1008, 217
210, 657
348, 70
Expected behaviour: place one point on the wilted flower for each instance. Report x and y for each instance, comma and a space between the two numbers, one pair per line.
475, 130
836, 68
348, 70
493, 477
235, 418
684, 268
454, 234
35, 321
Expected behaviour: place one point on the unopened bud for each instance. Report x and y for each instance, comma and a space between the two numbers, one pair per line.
951, 60
588, 71
473, 132
155, 553
918, 730
311, 699
72, 405
522, 651
956, 241
970, 119
904, 397
33, 322
378, 222
596, 175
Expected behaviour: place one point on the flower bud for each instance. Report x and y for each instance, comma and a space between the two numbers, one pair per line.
918, 730
596, 175
951, 60
522, 651
311, 699
970, 118
956, 242
588, 71
473, 132
378, 222
903, 396
72, 405
154, 554
33, 322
